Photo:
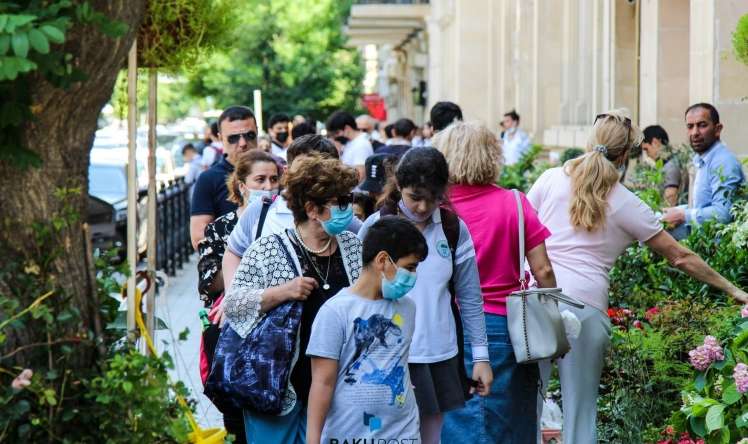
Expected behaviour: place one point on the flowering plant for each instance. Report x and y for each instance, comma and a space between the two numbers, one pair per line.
714, 406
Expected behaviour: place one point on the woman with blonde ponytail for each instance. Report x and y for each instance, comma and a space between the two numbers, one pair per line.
593, 219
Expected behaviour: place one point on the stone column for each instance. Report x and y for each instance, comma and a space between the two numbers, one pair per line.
702, 51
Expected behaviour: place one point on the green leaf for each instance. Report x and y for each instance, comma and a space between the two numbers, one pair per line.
184, 334
127, 386
54, 34
700, 382
715, 418
4, 44
742, 421
38, 41
725, 437
20, 44
731, 395
3, 21
697, 425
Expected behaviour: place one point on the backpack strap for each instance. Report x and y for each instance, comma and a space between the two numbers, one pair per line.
451, 228
266, 202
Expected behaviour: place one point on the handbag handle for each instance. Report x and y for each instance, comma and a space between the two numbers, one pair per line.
521, 237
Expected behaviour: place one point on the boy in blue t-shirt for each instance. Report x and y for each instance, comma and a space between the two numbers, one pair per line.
359, 345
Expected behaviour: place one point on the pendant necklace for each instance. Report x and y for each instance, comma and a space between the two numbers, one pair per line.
325, 285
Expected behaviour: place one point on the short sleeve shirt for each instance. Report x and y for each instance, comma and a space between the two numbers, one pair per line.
672, 173
490, 213
357, 151
370, 339
582, 260
210, 195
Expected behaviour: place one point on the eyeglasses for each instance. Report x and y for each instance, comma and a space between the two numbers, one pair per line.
343, 201
249, 136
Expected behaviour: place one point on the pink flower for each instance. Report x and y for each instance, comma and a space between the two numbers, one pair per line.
702, 356
651, 313
638, 324
744, 311
740, 374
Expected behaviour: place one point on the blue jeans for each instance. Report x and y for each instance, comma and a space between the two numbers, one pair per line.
287, 429
507, 415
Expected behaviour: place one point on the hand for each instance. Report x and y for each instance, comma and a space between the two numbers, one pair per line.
216, 315
22, 381
484, 375
674, 216
739, 295
299, 288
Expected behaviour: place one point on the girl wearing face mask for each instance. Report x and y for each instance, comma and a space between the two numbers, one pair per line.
436, 353
324, 258
255, 177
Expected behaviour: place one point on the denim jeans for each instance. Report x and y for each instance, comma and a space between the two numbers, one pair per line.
508, 413
286, 429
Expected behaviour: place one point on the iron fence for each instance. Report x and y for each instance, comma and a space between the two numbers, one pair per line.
173, 226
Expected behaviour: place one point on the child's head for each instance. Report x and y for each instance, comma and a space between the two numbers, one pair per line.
363, 205
393, 242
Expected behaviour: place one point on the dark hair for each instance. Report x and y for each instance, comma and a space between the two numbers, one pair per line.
339, 120
388, 130
308, 144
214, 129
713, 114
316, 179
403, 127
655, 132
512, 115
444, 113
366, 202
396, 236
188, 147
424, 168
302, 129
236, 112
278, 118
242, 169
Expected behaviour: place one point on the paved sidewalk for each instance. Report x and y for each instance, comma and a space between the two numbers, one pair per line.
178, 308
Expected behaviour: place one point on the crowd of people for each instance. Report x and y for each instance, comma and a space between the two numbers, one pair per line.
357, 280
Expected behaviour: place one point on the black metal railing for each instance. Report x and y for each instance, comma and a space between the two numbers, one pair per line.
173, 247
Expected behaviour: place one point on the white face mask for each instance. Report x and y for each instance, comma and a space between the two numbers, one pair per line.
251, 196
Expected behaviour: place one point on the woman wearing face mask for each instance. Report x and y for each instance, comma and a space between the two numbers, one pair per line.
324, 256
255, 176
436, 353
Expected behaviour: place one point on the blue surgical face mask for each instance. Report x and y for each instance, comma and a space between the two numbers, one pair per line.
400, 285
411, 215
338, 221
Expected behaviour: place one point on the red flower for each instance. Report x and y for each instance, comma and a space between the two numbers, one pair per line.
638, 324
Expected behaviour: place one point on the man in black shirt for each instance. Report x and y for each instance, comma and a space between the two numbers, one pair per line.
238, 132
403, 132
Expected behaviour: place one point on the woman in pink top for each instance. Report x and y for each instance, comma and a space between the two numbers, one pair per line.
593, 219
508, 414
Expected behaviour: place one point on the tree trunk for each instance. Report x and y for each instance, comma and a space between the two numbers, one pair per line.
61, 133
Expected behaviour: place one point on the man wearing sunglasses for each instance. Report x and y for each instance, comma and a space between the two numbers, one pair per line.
238, 132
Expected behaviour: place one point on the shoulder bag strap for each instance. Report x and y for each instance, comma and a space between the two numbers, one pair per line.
521, 238
263, 214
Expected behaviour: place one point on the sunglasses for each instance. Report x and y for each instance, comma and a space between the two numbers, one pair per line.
343, 201
626, 123
249, 136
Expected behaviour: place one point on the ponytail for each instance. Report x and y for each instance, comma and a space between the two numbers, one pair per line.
594, 174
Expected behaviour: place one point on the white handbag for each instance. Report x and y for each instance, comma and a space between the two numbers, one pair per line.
536, 328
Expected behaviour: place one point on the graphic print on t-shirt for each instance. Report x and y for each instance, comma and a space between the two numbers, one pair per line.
375, 362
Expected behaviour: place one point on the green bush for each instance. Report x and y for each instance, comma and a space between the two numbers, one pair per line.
524, 173
740, 39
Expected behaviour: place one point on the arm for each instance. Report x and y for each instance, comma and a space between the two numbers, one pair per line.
671, 196
688, 261
197, 227
540, 266
230, 263
324, 378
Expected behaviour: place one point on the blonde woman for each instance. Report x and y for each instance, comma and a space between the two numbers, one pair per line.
593, 219
507, 414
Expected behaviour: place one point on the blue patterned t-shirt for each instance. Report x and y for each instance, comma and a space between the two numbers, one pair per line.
373, 396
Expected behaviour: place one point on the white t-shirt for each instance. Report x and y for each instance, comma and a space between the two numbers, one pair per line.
515, 146
582, 260
279, 151
357, 151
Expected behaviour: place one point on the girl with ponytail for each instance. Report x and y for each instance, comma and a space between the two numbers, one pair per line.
593, 219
